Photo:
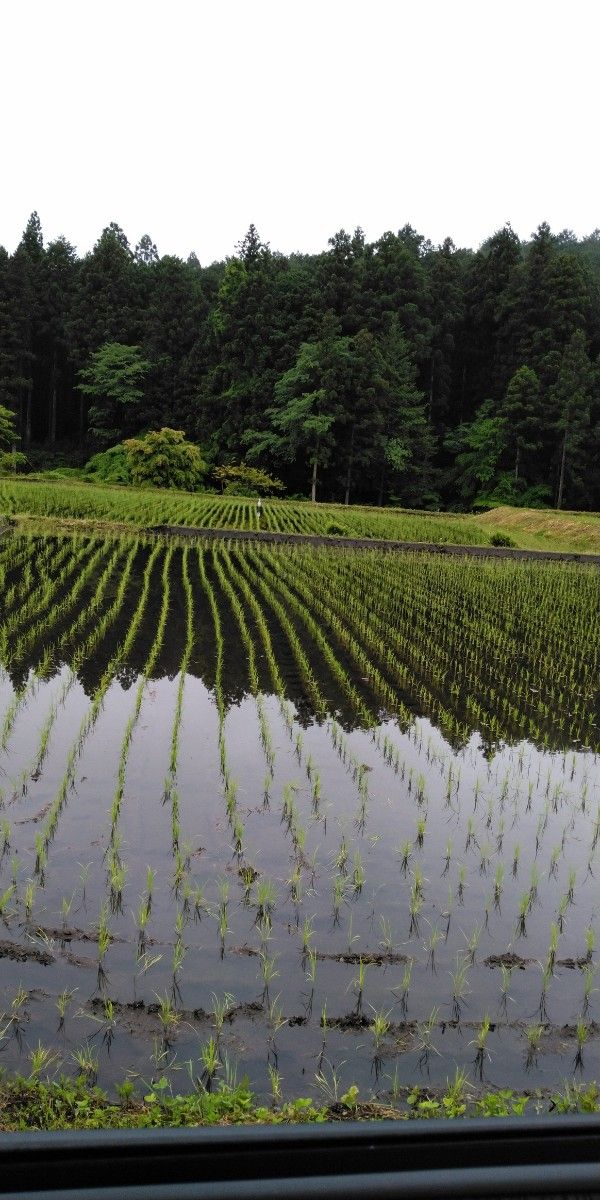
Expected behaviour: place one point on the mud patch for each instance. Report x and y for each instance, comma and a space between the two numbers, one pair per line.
18, 953
38, 816
509, 960
367, 959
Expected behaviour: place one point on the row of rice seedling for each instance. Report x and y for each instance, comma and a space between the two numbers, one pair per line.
62, 499
376, 890
52, 652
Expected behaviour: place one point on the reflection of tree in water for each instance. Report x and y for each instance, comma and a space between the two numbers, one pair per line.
235, 678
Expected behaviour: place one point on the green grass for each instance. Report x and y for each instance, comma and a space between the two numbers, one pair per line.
32, 1104
110, 505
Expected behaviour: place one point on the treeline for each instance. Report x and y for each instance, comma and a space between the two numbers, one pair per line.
386, 371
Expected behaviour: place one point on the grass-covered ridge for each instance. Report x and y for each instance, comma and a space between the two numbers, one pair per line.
33, 1104
105, 504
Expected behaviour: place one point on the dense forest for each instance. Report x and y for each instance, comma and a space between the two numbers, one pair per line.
392, 371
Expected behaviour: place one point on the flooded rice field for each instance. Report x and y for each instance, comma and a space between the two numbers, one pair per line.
315, 816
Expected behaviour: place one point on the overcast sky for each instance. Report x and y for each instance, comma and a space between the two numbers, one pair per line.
188, 119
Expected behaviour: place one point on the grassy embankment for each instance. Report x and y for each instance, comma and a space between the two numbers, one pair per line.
30, 1104
52, 503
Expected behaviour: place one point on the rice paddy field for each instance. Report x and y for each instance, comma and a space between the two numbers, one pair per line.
149, 507
314, 815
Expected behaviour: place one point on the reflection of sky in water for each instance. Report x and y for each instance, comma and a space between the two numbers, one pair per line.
479, 814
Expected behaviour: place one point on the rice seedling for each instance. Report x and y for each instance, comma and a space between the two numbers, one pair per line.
590, 942
480, 1042
63, 1002
357, 985
86, 1059
430, 945
42, 1058
589, 973
581, 1034
404, 988
533, 1034
460, 985
268, 970
425, 1044
379, 1028
169, 1018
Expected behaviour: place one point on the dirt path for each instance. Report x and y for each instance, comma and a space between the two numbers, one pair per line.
315, 539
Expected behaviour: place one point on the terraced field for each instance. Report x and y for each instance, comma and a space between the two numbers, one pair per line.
321, 815
144, 507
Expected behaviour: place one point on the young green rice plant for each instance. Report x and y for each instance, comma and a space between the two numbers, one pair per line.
178, 957
430, 945
553, 946
307, 934
221, 1007
275, 1018
276, 1080
554, 860
358, 985
104, 939
572, 879
589, 973
5, 834
311, 965
590, 942
563, 905
485, 855
63, 1002
144, 963
473, 943
29, 898
425, 1038
460, 984
5, 899
421, 827
547, 977
533, 1034
86, 1059
404, 988
222, 912
386, 941
405, 852
211, 1062
268, 970
339, 887
169, 1018
506, 976
480, 1042
42, 1058
415, 906
15, 870
533, 885
358, 873
500, 836
266, 898
581, 1034
462, 883
516, 859
521, 927
498, 885
379, 1027
470, 839
340, 859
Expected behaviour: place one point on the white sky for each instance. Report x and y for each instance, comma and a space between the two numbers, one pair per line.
188, 119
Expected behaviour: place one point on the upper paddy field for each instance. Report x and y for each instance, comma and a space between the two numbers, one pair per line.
324, 815
50, 500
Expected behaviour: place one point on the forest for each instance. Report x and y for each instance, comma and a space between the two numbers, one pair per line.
386, 372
